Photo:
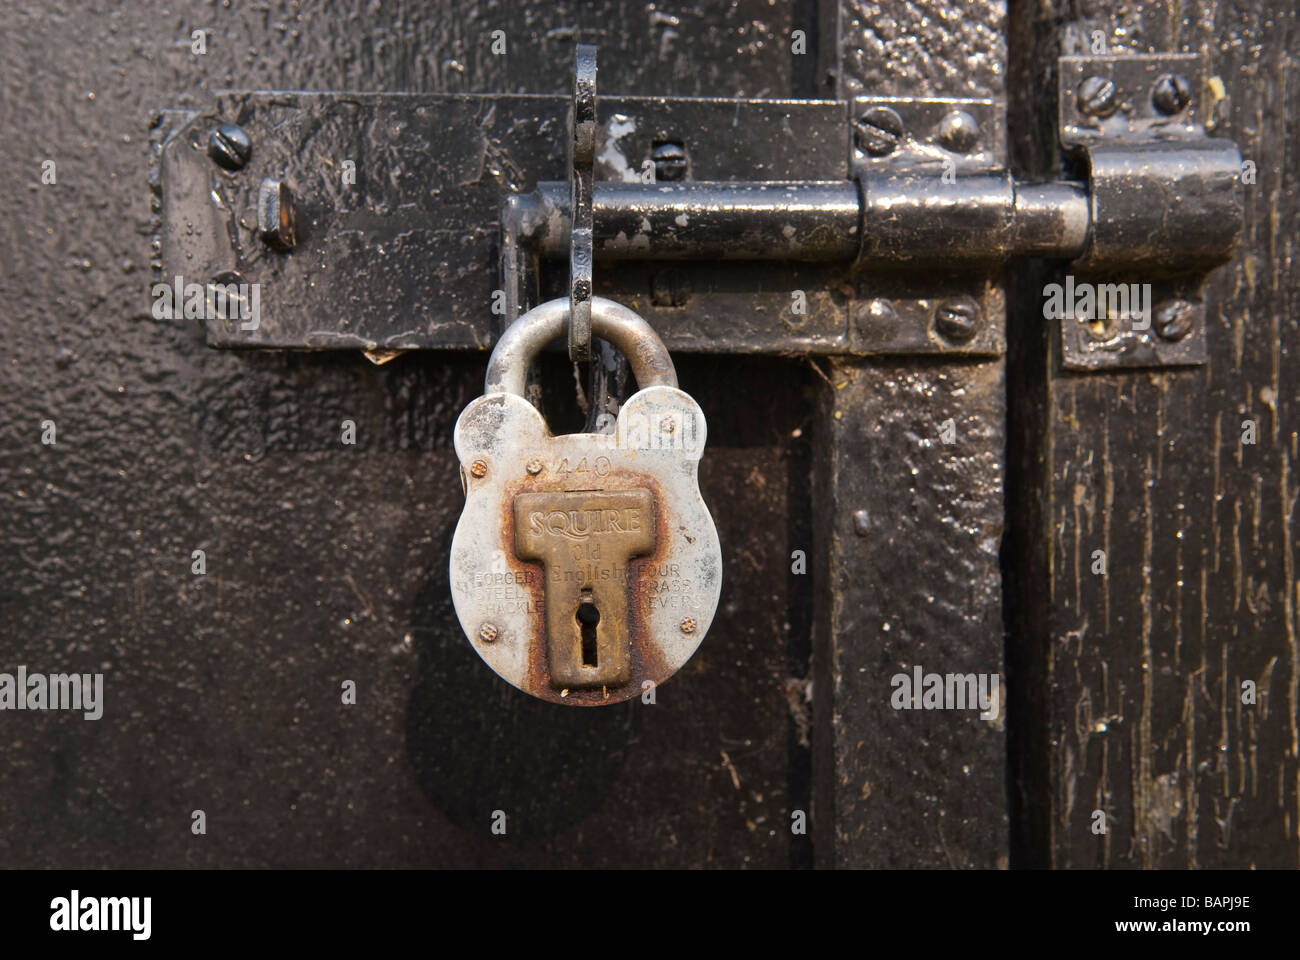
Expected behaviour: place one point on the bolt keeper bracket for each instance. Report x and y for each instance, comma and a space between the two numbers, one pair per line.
1165, 203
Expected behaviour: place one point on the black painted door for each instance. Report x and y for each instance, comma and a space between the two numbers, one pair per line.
326, 563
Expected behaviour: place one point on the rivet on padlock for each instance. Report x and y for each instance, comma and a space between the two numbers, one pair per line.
578, 557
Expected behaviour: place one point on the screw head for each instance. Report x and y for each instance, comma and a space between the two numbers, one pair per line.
670, 162
688, 625
861, 522
1174, 319
1098, 96
1171, 93
478, 468
534, 466
879, 314
879, 131
957, 319
229, 146
958, 132
276, 215
488, 633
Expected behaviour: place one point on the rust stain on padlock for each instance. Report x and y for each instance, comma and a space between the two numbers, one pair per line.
644, 660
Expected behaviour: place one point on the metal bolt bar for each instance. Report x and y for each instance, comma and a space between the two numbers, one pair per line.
711, 220
908, 217
1131, 214
1051, 219
1164, 207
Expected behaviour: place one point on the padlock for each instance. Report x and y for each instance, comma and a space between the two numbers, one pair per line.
585, 568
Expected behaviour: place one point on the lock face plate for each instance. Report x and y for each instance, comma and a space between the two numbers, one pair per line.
584, 540
555, 526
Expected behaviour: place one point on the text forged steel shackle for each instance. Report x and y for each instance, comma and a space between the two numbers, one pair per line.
585, 568
507, 370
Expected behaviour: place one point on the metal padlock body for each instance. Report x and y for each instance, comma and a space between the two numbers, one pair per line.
507, 452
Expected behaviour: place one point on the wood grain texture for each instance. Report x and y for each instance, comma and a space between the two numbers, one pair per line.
1137, 675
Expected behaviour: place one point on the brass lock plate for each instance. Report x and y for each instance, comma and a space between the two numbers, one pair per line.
585, 541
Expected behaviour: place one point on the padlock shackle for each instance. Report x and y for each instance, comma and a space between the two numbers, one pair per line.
507, 370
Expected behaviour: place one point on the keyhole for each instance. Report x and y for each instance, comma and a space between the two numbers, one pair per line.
588, 616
